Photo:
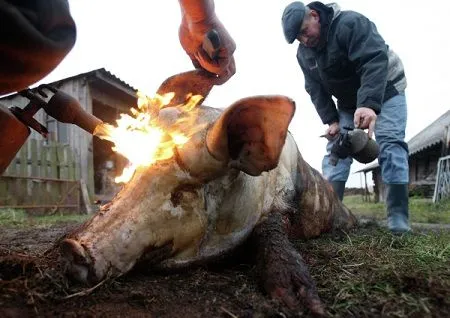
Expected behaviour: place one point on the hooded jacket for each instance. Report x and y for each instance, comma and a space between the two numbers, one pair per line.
352, 63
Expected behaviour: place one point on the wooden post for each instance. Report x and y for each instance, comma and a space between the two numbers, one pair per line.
21, 189
55, 192
85, 193
70, 164
43, 159
62, 162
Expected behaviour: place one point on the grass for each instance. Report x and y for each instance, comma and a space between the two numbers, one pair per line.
19, 218
372, 273
421, 210
367, 272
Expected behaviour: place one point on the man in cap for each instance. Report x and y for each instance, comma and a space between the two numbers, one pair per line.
342, 55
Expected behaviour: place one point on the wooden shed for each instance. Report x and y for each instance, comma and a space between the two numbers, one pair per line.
80, 156
425, 149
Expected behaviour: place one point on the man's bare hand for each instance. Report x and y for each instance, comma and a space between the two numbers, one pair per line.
332, 131
365, 118
192, 34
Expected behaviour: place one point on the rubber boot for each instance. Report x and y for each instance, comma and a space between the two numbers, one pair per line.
339, 188
397, 208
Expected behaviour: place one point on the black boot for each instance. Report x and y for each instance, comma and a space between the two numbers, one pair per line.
339, 188
397, 208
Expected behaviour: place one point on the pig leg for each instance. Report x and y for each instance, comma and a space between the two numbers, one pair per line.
284, 274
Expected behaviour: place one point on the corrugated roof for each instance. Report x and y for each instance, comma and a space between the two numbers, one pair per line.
431, 135
98, 73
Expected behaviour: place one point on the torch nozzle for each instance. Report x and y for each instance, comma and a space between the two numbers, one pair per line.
67, 109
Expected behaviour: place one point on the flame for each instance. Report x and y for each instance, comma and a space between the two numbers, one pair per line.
141, 137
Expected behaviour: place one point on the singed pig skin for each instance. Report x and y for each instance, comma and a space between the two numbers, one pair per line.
240, 176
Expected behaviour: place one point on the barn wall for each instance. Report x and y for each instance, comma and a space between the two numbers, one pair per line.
99, 93
79, 141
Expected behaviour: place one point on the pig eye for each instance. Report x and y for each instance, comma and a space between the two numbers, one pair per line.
184, 192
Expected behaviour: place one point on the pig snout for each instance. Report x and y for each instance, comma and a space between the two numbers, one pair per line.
78, 264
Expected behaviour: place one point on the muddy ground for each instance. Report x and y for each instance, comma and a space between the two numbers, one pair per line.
31, 284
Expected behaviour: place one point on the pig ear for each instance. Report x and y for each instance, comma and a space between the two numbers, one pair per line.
197, 82
251, 133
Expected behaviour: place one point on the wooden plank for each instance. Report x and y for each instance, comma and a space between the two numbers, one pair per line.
85, 194
44, 172
34, 157
54, 192
85, 146
78, 198
38, 185
68, 190
43, 150
23, 168
37, 206
70, 164
21, 185
4, 193
62, 162
35, 187
53, 161
37, 178
11, 184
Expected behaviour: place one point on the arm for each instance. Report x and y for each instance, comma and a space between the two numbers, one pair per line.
369, 53
198, 17
367, 50
197, 11
35, 37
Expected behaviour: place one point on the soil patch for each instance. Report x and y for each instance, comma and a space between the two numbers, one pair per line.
351, 284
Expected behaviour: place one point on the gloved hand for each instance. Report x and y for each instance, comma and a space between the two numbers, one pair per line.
365, 118
192, 35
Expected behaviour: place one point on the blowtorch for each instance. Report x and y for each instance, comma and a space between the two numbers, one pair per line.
17, 121
353, 143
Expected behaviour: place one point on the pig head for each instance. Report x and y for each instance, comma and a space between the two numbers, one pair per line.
202, 202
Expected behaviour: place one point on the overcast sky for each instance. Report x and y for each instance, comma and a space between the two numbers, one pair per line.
137, 40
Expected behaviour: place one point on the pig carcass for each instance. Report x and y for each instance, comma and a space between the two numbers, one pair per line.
240, 177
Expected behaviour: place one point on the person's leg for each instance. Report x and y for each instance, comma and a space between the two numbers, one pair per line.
337, 175
390, 134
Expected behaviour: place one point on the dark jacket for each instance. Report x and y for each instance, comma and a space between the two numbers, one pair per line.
35, 37
352, 63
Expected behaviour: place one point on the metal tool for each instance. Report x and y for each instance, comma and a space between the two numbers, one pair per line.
16, 122
212, 43
353, 143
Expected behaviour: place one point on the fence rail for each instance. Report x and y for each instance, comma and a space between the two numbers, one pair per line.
442, 187
42, 178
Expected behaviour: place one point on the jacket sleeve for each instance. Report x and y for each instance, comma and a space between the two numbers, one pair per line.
324, 104
35, 37
369, 53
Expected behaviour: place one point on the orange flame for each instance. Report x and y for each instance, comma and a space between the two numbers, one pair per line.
142, 139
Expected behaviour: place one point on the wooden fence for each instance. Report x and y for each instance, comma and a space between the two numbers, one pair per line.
43, 178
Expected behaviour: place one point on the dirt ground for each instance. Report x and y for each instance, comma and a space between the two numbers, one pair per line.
31, 284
